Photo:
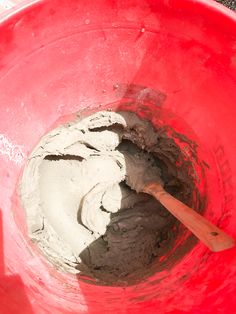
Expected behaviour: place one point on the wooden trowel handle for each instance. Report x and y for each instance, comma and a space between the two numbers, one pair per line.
214, 238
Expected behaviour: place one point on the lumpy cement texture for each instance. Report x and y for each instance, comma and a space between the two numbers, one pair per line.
81, 210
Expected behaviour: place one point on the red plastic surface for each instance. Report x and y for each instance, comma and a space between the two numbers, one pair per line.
61, 56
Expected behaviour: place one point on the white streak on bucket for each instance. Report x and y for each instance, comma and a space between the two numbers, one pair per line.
14, 152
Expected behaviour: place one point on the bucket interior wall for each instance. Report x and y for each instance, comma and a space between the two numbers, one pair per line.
61, 57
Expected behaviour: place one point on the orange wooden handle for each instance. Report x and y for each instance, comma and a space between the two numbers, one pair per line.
213, 237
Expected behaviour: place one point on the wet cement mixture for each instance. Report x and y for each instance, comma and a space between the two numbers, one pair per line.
80, 208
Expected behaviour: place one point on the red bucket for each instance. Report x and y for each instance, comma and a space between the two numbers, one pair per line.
59, 57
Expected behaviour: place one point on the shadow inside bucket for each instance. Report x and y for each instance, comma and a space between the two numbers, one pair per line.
13, 298
134, 239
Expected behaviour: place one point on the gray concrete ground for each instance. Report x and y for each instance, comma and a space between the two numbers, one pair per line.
229, 3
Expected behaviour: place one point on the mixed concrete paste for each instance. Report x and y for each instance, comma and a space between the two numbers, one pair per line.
81, 209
